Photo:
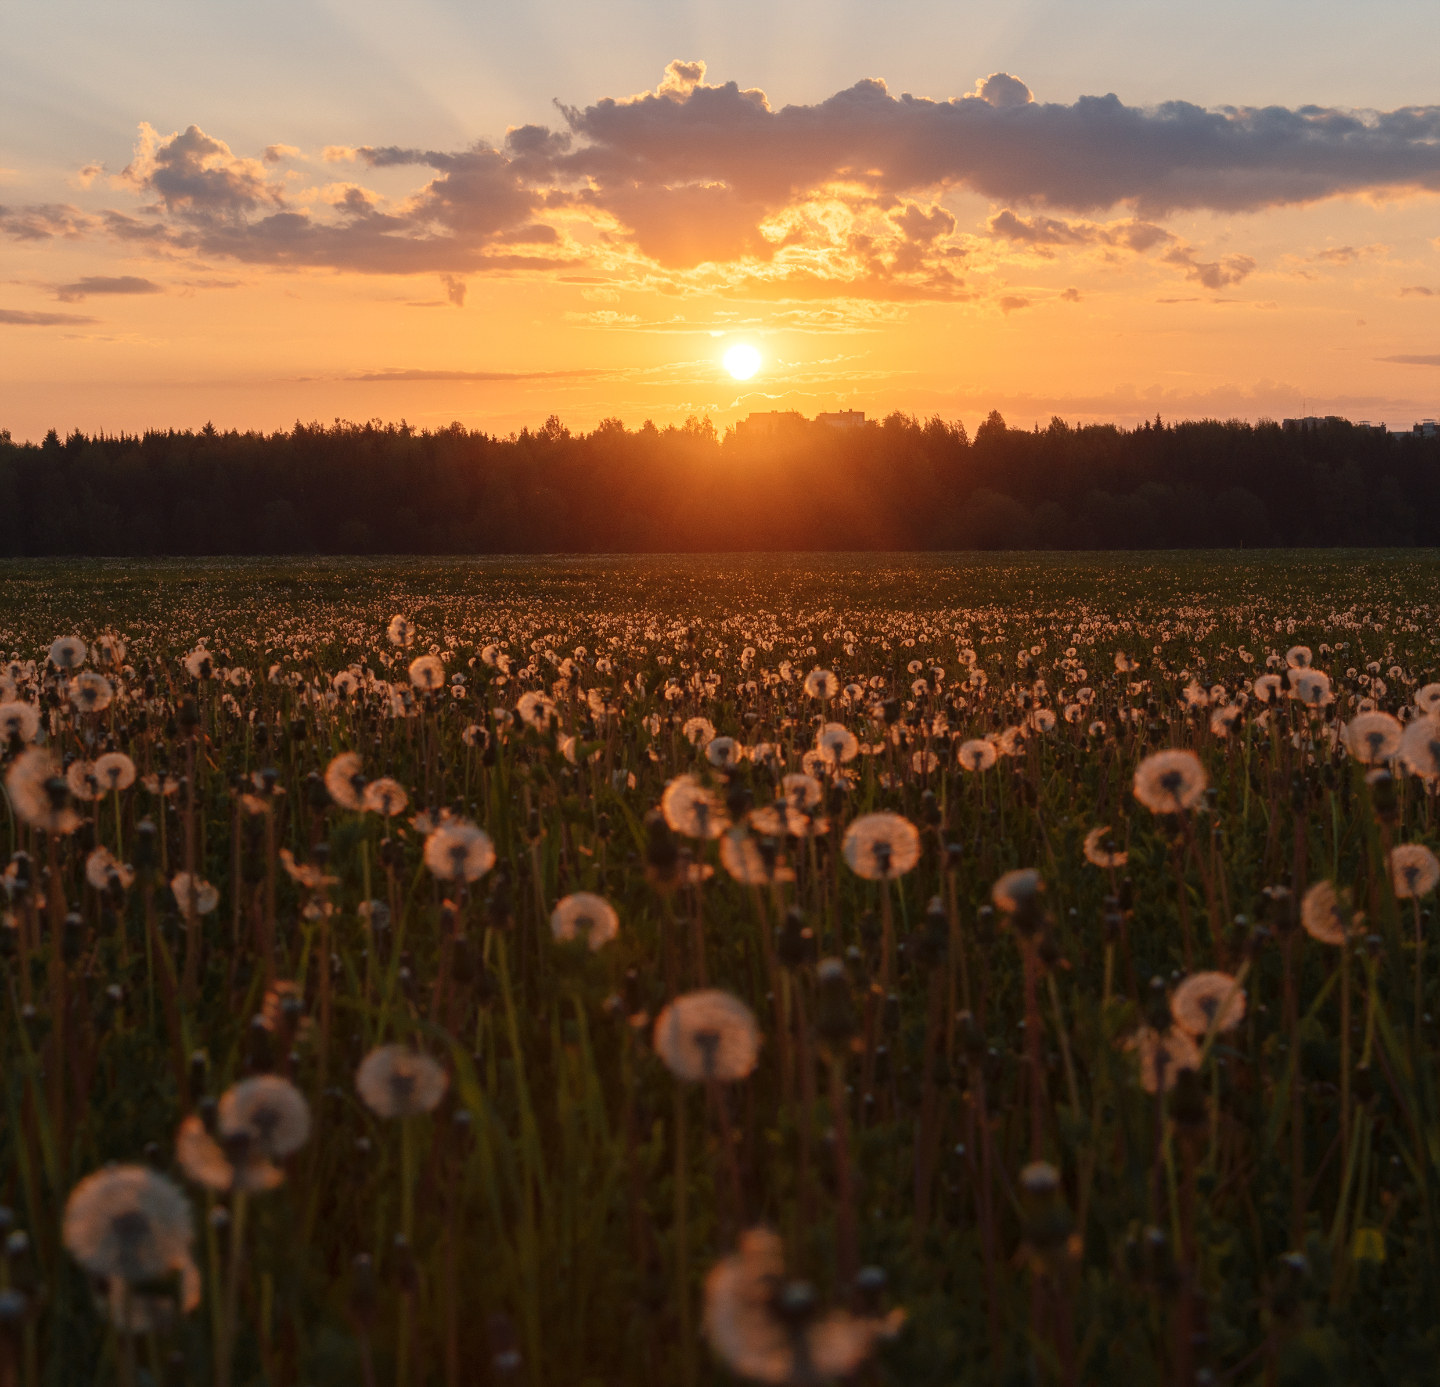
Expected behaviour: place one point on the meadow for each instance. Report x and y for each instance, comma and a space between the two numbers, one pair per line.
901, 969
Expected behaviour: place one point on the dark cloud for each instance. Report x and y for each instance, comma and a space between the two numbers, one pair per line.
1071, 295
454, 289
106, 284
45, 221
1213, 274
1411, 360
17, 317
1011, 302
1418, 291
695, 173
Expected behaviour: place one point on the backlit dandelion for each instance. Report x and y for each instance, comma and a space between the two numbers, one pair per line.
67, 653
396, 1081
820, 683
1326, 913
344, 781
1163, 1056
19, 721
427, 673
1100, 851
191, 893
692, 809
1373, 737
881, 846
400, 632
1170, 781
1414, 870
977, 754
268, 1113
1207, 1002
587, 917
90, 692
708, 1035
205, 1162
128, 1222
114, 771
459, 852
385, 796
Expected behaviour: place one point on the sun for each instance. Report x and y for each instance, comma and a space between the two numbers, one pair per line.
742, 361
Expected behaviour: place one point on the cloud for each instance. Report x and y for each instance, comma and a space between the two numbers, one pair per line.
1003, 91
1130, 234
1011, 302
85, 176
45, 221
1411, 360
106, 284
1418, 291
20, 318
846, 193
454, 290
422, 375
1348, 255
1071, 295
1213, 274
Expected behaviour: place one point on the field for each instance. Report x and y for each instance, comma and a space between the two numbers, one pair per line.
926, 970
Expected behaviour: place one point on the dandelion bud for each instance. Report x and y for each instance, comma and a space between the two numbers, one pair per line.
1157, 1006
789, 940
890, 708
870, 1286
834, 1007
403, 1267
199, 1067
954, 854
316, 795
1188, 1104
929, 808
882, 1064
189, 714
1383, 797
73, 940
505, 1357
362, 1299
1292, 1271
1047, 1220
298, 731
208, 1111
797, 1304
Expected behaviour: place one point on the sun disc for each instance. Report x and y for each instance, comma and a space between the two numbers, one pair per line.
742, 361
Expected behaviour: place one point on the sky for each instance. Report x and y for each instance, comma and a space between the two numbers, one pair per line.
256, 213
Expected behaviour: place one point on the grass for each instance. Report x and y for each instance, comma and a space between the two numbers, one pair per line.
569, 1195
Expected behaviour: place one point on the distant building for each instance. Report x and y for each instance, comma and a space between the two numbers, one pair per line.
767, 423
842, 419
1313, 421
1426, 428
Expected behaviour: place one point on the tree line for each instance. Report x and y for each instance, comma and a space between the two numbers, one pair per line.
897, 484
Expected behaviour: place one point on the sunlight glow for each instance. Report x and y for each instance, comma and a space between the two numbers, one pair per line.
742, 361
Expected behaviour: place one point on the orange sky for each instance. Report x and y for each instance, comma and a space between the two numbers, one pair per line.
986, 247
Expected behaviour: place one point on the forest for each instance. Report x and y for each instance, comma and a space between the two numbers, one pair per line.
897, 484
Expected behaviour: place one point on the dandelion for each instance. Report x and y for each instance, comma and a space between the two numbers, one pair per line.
698, 731
1414, 870
458, 851
1162, 1057
400, 632
128, 1222
199, 663
1420, 747
587, 917
1224, 721
108, 650
1018, 891
191, 893
396, 1081
1326, 914
39, 794
1207, 1002
385, 796
709, 1035
80, 778
115, 771
268, 1114
1427, 699
1299, 657
724, 751
977, 754
68, 653
1373, 737
1311, 687
881, 846
90, 692
344, 781
535, 710
1101, 852
427, 673
1267, 687
820, 683
771, 1331
19, 721
691, 809
103, 872
1170, 781
748, 862
205, 1162
836, 744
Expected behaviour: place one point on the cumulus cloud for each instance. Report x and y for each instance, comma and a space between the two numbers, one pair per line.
105, 284
1011, 302
842, 196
